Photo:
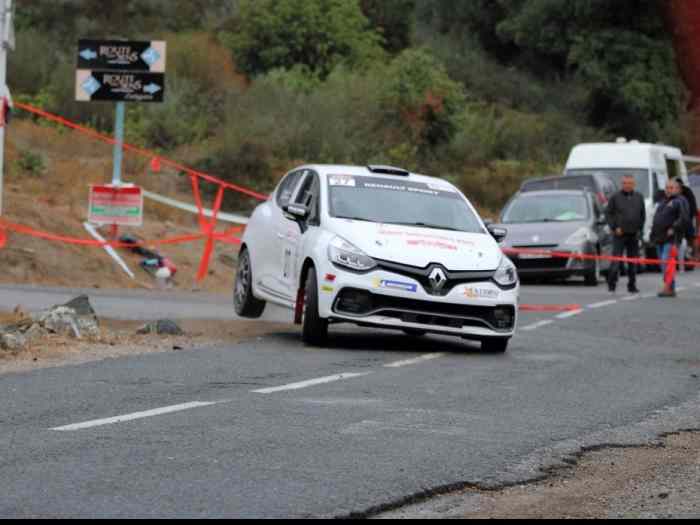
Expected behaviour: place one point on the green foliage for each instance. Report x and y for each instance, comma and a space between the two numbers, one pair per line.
31, 164
317, 34
482, 92
180, 119
619, 50
424, 98
394, 19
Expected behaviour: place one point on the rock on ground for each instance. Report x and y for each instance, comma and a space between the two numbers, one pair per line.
162, 327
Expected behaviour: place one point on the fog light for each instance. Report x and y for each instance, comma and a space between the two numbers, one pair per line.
504, 317
356, 302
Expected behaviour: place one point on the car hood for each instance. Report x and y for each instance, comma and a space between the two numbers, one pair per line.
541, 233
420, 247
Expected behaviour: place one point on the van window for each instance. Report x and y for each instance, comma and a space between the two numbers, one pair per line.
673, 167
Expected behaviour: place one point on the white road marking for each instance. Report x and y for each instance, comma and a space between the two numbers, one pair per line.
632, 298
310, 382
602, 304
681, 289
133, 417
697, 285
648, 296
535, 326
569, 315
417, 360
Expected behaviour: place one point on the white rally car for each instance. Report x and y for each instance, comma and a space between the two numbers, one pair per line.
378, 247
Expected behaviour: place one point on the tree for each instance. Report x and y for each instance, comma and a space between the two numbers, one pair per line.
395, 20
620, 50
316, 34
428, 101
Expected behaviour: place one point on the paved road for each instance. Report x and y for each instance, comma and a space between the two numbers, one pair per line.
130, 304
270, 428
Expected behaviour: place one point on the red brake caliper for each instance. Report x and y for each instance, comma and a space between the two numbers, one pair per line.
299, 310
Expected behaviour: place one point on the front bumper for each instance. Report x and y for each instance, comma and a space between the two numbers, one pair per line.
543, 266
389, 300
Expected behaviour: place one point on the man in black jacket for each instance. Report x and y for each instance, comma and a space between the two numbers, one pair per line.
693, 211
669, 230
626, 215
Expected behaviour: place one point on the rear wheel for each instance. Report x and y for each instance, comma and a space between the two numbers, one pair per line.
315, 328
244, 301
495, 345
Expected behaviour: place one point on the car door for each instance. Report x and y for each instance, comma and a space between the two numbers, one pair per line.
272, 255
307, 194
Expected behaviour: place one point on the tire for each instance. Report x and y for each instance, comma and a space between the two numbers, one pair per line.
314, 329
495, 345
592, 277
244, 302
414, 333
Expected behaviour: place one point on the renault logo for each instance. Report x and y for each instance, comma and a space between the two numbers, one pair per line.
437, 280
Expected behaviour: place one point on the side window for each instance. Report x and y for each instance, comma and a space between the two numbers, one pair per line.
309, 195
286, 188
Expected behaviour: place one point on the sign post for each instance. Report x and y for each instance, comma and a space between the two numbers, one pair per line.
121, 72
6, 42
119, 144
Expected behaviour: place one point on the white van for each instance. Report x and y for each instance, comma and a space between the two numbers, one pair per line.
651, 164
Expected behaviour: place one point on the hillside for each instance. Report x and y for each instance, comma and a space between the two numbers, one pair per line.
52, 196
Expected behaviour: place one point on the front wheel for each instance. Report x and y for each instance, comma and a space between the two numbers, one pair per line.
244, 301
496, 345
315, 328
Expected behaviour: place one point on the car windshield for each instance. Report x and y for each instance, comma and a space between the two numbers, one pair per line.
546, 208
399, 201
640, 175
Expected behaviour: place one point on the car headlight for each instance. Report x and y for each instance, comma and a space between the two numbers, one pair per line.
343, 253
506, 275
579, 237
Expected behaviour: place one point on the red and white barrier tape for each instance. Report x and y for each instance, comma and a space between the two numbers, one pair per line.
587, 257
140, 151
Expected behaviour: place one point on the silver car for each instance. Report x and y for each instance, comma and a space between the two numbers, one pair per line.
563, 221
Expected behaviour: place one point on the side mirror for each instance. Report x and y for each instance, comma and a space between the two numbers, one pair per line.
488, 222
297, 212
499, 234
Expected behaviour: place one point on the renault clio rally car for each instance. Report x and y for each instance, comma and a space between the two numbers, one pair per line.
378, 247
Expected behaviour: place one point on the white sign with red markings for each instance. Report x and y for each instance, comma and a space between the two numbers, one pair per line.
118, 205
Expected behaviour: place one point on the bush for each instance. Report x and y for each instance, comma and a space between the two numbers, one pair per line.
424, 99
183, 117
317, 34
30, 163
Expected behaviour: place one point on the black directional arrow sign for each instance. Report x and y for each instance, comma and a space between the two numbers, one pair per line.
115, 55
119, 86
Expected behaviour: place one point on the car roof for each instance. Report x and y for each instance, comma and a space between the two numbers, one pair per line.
325, 170
566, 177
554, 192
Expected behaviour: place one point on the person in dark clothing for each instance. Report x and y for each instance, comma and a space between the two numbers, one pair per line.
669, 229
689, 196
626, 216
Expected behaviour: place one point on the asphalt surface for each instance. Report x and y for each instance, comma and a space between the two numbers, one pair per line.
385, 416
